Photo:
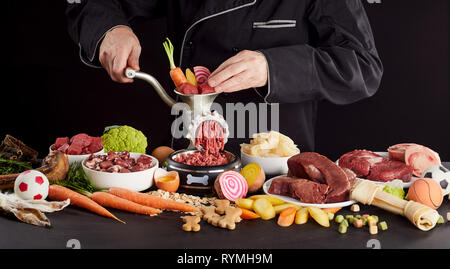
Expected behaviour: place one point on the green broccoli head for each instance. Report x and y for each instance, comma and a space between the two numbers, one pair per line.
124, 138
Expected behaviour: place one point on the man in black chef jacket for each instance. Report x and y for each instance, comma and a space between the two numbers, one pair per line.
292, 52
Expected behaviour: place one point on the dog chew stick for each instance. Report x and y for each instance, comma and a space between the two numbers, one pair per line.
368, 193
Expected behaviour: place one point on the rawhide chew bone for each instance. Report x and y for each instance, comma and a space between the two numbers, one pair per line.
191, 223
368, 193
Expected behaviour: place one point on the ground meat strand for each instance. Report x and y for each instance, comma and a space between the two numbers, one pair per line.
211, 139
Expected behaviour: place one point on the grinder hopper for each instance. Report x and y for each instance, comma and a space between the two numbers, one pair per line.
199, 104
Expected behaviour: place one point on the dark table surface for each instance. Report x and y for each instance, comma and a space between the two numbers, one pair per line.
77, 227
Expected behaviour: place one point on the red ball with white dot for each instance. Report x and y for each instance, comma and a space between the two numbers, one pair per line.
31, 185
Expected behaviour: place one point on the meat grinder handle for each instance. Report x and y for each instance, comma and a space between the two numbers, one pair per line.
131, 73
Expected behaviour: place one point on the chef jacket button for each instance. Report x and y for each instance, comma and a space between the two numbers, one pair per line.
190, 44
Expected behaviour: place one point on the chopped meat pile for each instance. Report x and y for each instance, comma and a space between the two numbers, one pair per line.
313, 178
120, 162
78, 144
200, 158
211, 141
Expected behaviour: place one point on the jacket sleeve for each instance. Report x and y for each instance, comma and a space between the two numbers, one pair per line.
90, 20
342, 66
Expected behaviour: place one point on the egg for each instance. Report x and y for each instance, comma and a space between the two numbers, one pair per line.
31, 185
426, 191
161, 153
167, 180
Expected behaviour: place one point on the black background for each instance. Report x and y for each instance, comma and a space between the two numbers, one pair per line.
48, 92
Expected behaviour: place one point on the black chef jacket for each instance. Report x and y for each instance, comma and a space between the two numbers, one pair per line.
316, 49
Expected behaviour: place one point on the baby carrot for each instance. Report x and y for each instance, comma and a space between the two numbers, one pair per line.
248, 214
287, 217
60, 193
109, 200
331, 210
149, 200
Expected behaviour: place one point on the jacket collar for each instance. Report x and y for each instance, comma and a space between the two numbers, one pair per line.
214, 8
218, 7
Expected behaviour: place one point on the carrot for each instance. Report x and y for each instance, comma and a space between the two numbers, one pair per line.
176, 74
331, 210
109, 200
287, 217
60, 193
149, 200
248, 214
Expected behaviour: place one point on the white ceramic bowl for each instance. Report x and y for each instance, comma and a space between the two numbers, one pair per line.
135, 181
78, 158
272, 166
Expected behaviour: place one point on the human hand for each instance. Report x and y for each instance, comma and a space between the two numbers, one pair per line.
120, 49
247, 69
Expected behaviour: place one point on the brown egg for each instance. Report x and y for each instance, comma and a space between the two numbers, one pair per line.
167, 181
161, 153
426, 191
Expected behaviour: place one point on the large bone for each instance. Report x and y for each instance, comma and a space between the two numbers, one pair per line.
368, 193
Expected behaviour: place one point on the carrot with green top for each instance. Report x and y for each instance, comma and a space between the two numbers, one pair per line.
60, 193
176, 74
109, 200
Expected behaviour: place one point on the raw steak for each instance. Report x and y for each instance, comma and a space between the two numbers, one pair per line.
390, 170
360, 161
369, 165
304, 190
308, 191
335, 177
281, 186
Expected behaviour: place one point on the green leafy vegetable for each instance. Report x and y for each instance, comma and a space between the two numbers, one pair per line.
77, 180
13, 167
108, 128
399, 192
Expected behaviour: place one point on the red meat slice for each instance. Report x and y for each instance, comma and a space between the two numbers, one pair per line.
397, 152
95, 145
205, 88
304, 190
74, 149
81, 140
335, 177
360, 161
188, 88
60, 141
390, 170
63, 148
309, 192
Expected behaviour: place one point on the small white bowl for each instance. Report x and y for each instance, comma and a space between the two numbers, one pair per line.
135, 181
272, 166
78, 158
